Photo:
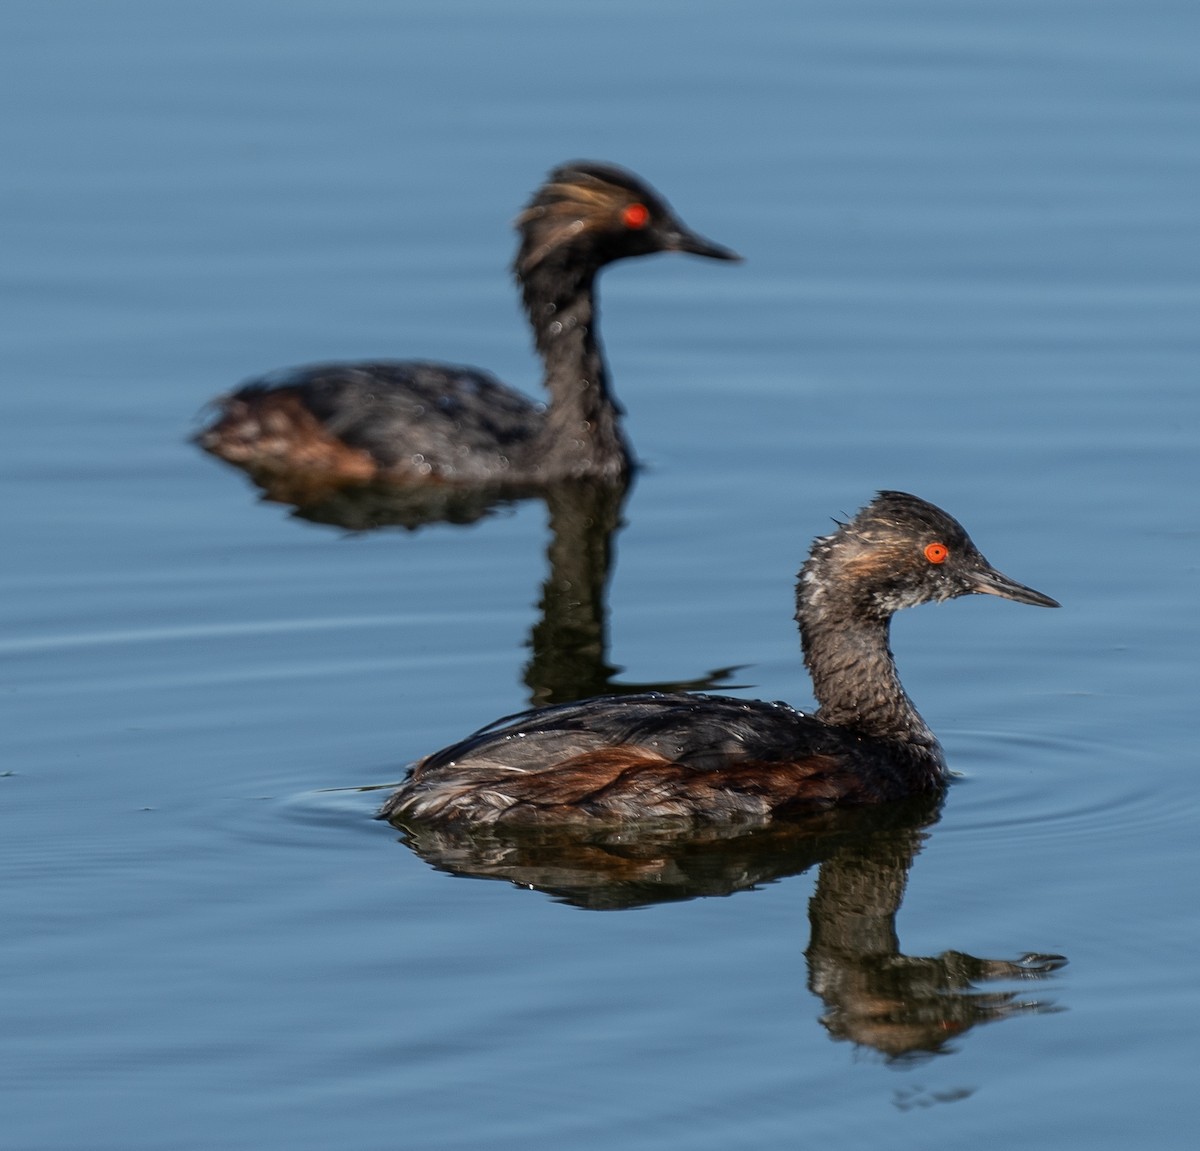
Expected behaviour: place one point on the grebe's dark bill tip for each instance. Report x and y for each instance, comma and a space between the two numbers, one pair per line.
695, 244
989, 581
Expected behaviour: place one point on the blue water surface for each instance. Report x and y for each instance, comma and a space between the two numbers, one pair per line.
972, 243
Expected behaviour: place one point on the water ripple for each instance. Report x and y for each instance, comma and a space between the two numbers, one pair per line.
314, 818
1025, 788
130, 636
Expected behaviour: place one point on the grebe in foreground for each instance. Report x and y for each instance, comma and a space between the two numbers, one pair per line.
414, 421
702, 757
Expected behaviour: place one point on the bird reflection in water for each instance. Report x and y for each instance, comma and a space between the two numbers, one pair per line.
900, 1005
568, 643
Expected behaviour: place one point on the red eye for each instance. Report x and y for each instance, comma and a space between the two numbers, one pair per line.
635, 216
936, 553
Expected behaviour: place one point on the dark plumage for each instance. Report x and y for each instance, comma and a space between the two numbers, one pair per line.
667, 755
420, 422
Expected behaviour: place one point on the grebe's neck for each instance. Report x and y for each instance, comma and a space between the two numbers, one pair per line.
854, 676
582, 432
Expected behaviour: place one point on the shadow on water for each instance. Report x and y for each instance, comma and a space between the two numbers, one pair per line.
901, 1005
569, 642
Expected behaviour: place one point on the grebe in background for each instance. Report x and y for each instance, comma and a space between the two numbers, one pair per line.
415, 421
711, 757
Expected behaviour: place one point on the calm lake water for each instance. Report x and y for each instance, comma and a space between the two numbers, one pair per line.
972, 242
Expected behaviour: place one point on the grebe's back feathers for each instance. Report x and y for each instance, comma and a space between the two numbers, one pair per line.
650, 756
411, 415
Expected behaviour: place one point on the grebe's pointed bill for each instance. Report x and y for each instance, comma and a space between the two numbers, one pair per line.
988, 581
681, 239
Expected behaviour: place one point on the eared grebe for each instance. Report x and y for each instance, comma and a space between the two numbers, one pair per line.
713, 757
409, 421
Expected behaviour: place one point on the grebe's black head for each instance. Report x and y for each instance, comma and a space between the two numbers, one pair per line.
596, 213
900, 551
